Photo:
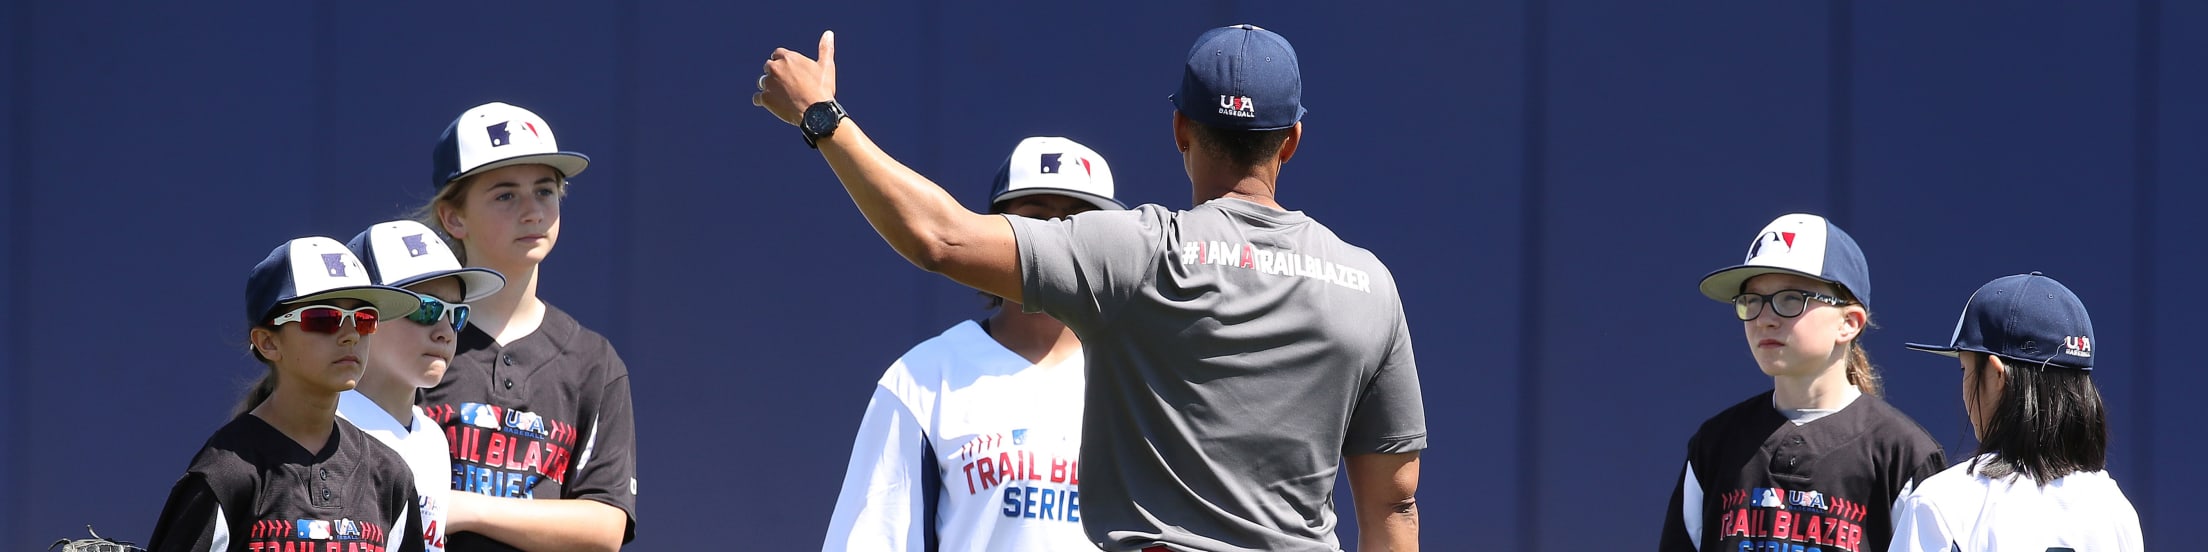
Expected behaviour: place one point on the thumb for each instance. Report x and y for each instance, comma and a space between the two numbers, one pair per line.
828, 51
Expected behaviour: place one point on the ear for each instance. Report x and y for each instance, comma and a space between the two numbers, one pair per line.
1295, 137
1996, 372
1852, 322
264, 341
449, 217
1182, 134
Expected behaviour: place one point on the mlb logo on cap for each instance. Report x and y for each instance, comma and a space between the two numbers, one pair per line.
1054, 165
2027, 318
1799, 244
495, 135
314, 269
402, 253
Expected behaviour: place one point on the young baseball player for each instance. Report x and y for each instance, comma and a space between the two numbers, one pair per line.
536, 406
1816, 462
413, 354
288, 474
1239, 354
2039, 479
972, 440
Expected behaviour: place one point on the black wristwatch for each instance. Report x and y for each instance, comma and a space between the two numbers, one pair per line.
820, 122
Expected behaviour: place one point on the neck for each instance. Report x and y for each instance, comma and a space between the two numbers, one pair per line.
1828, 389
306, 417
394, 397
1252, 184
514, 311
1036, 337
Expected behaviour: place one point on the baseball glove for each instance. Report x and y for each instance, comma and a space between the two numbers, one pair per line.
95, 544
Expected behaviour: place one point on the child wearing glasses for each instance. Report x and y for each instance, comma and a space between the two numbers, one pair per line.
1817, 462
536, 406
287, 474
1001, 397
2039, 479
412, 354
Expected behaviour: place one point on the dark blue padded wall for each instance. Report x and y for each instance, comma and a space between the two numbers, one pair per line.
1547, 181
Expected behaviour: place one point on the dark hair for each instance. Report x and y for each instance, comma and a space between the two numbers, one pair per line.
1243, 148
2048, 424
262, 387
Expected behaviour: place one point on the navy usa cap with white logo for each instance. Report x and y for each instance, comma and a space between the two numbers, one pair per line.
402, 253
1053, 165
312, 269
1241, 78
1799, 244
2027, 318
495, 135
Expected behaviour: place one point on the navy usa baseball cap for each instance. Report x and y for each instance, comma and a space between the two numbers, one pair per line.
402, 253
312, 269
495, 135
1799, 244
1053, 165
2027, 318
1241, 78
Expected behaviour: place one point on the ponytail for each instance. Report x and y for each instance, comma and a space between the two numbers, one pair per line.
1861, 372
257, 394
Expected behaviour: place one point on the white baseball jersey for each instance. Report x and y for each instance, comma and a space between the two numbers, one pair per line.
973, 436
425, 452
1958, 509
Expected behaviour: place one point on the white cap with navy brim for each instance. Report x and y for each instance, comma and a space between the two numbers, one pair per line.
402, 253
1799, 244
1055, 165
495, 135
316, 268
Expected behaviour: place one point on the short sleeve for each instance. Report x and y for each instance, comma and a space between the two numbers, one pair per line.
1918, 527
191, 521
882, 504
1077, 268
608, 472
1390, 416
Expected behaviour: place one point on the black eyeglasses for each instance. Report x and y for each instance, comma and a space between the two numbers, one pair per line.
1787, 303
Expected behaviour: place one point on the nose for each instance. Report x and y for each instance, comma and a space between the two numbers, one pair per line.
441, 332
348, 335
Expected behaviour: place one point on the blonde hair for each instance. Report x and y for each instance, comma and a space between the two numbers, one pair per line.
1860, 370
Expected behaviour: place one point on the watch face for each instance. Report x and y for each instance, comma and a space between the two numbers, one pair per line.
819, 119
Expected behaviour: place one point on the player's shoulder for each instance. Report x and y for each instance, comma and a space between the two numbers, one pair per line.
236, 447
1881, 420
580, 342
934, 358
1755, 407
1958, 484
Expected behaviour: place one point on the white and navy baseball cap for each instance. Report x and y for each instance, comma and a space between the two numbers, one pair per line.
2027, 318
1241, 77
495, 135
1802, 245
402, 253
312, 269
1054, 165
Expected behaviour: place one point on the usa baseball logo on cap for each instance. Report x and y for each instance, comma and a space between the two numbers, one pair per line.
496, 135
313, 269
402, 253
1055, 165
1800, 244
1252, 72
2028, 318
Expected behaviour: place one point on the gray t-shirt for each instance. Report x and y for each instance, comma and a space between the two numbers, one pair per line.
1235, 353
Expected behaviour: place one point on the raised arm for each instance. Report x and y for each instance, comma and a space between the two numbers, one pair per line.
921, 221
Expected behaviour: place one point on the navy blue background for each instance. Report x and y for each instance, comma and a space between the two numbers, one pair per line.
1547, 180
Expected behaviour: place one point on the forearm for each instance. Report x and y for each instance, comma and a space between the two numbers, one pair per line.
920, 220
572, 524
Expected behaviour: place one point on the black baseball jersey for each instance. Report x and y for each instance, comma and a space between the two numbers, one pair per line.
252, 489
547, 416
1756, 481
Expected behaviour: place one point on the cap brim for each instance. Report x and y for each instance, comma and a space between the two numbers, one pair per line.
1949, 351
479, 283
568, 163
1722, 285
1101, 202
389, 301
